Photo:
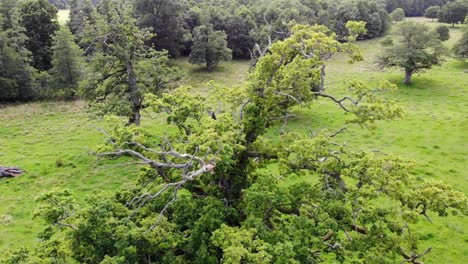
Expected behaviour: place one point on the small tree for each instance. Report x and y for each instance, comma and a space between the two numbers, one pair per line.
432, 12
66, 61
416, 48
461, 47
398, 15
443, 32
209, 47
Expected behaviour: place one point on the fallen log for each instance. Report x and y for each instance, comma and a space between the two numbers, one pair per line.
10, 172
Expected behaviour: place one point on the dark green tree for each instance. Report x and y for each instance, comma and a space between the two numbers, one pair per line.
239, 23
398, 14
40, 20
16, 75
415, 49
166, 18
209, 46
454, 12
461, 47
443, 32
67, 65
82, 12
123, 68
432, 12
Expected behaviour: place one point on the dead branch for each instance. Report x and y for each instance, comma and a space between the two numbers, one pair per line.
10, 172
338, 132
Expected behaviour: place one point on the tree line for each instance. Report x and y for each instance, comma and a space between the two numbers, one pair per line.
42, 60
208, 31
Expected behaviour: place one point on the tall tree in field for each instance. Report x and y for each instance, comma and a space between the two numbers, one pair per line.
226, 189
166, 18
123, 68
415, 48
67, 65
432, 12
16, 75
209, 46
454, 12
40, 20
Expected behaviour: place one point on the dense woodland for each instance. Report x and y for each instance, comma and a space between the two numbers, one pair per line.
210, 188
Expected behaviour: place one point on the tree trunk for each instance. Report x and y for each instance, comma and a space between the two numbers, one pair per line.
408, 75
135, 97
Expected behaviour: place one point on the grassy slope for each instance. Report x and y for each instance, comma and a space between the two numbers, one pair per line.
50, 141
40, 137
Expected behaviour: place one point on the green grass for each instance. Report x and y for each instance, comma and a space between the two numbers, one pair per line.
231, 73
51, 140
63, 16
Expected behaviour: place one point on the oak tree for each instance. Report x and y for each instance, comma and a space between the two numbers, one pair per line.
218, 186
414, 49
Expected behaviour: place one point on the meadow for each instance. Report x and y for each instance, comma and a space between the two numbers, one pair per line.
51, 141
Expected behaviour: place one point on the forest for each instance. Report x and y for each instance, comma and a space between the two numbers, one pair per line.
233, 131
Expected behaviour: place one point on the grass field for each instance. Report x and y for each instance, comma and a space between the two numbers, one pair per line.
51, 141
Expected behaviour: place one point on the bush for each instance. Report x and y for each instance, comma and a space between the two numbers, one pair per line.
443, 32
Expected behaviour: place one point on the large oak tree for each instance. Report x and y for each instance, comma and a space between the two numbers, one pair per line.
223, 187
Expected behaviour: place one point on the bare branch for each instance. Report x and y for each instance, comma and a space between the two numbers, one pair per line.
338, 132
338, 101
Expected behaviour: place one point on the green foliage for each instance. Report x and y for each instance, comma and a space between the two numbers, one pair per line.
67, 66
39, 18
415, 50
398, 15
443, 32
209, 47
